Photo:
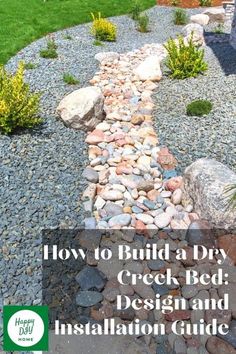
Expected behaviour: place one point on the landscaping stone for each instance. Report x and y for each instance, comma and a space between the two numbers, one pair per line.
90, 174
82, 109
107, 56
89, 278
222, 346
205, 183
201, 19
195, 30
88, 298
215, 14
149, 69
120, 220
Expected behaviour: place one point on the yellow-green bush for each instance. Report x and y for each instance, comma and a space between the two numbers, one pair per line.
102, 29
18, 106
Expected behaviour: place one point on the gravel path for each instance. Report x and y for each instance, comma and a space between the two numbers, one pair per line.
41, 170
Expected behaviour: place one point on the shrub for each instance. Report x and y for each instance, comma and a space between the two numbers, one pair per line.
18, 106
143, 22
180, 17
184, 59
102, 29
135, 10
67, 36
97, 43
70, 79
30, 66
199, 108
205, 3
51, 51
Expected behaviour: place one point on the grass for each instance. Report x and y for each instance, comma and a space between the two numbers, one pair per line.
30, 66
70, 79
23, 21
50, 52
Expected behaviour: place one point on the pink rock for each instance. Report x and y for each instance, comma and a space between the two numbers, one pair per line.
166, 159
174, 183
95, 137
178, 315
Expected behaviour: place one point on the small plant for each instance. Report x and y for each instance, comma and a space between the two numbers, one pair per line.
98, 43
30, 66
18, 106
199, 108
51, 51
230, 191
205, 3
180, 17
135, 10
67, 36
102, 29
219, 29
70, 79
143, 22
184, 59
175, 3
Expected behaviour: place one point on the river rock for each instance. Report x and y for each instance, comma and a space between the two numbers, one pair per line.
107, 56
120, 220
82, 109
89, 278
200, 233
113, 209
228, 243
205, 183
88, 298
220, 345
90, 174
149, 69
162, 220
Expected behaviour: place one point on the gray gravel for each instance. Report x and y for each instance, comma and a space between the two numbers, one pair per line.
40, 172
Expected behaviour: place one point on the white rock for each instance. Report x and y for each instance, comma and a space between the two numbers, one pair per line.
107, 56
162, 220
149, 69
112, 195
177, 196
104, 126
145, 218
215, 14
201, 19
195, 30
99, 204
82, 109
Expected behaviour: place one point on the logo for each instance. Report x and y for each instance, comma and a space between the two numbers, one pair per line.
25, 328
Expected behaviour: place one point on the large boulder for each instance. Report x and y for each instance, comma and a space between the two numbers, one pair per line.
201, 19
205, 183
149, 69
195, 31
216, 14
82, 109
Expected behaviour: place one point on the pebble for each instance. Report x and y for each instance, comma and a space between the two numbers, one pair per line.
112, 195
89, 278
162, 220
88, 298
91, 175
120, 220
145, 218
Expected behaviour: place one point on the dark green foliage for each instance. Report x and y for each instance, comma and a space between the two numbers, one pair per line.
180, 17
70, 79
51, 51
143, 22
135, 10
199, 108
184, 59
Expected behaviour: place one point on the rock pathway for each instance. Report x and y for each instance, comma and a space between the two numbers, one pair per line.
134, 192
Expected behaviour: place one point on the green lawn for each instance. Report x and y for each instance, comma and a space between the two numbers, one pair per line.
23, 21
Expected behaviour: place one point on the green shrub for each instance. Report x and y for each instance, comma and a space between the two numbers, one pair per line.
18, 106
135, 10
30, 66
180, 17
143, 22
51, 51
199, 108
102, 29
206, 3
67, 36
184, 59
70, 79
98, 43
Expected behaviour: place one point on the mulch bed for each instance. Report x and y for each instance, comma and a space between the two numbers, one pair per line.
187, 3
